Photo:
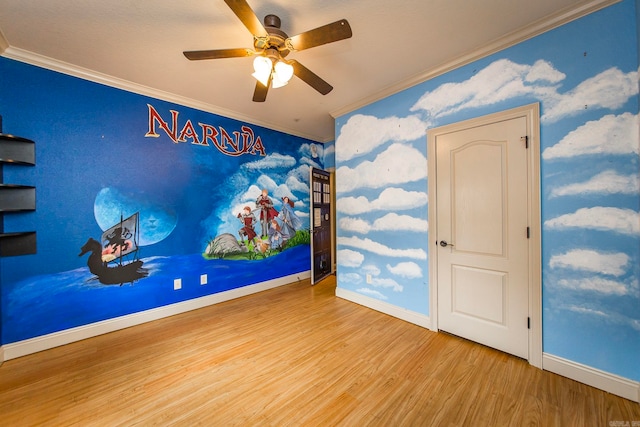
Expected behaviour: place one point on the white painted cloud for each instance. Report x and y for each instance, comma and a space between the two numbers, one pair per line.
266, 182
329, 150
371, 269
586, 310
504, 79
371, 292
614, 318
389, 222
349, 278
311, 162
499, 81
595, 284
543, 72
386, 283
251, 194
588, 260
362, 134
391, 199
623, 221
354, 225
296, 185
349, 258
610, 134
410, 270
607, 182
609, 89
380, 249
302, 173
395, 222
312, 150
275, 160
398, 164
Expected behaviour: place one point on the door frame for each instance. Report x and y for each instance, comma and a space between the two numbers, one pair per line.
532, 114
312, 228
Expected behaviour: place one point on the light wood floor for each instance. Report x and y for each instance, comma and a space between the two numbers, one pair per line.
291, 356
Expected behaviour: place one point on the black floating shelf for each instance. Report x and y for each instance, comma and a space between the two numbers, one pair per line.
14, 244
15, 149
17, 198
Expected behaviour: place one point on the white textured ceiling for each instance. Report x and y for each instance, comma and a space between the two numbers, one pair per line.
138, 44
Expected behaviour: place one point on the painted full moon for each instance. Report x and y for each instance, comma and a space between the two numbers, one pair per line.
156, 222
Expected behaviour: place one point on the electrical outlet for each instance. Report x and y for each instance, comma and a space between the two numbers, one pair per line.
203, 279
177, 284
368, 278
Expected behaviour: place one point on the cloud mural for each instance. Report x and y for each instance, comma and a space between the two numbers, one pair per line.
366, 133
623, 221
505, 79
590, 160
593, 261
607, 182
380, 249
611, 134
398, 164
281, 175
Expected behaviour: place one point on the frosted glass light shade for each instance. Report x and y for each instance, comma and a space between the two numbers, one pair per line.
262, 67
284, 71
281, 75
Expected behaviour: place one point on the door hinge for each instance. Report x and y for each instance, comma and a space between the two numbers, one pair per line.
528, 322
526, 141
528, 232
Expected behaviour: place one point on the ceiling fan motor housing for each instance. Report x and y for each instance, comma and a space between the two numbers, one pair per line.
275, 40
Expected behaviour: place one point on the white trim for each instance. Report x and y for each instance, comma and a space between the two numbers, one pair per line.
534, 29
386, 308
97, 77
532, 114
611, 383
45, 342
4, 44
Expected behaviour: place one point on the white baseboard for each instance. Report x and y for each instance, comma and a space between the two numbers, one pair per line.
611, 383
386, 308
45, 342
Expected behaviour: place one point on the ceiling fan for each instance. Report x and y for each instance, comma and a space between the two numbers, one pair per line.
272, 45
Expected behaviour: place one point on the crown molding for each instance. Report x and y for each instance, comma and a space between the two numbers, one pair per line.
4, 44
511, 39
96, 77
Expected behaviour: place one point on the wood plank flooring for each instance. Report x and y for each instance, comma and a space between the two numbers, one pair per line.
291, 356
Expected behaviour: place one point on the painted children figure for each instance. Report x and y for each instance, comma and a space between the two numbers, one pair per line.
248, 220
275, 236
290, 221
264, 203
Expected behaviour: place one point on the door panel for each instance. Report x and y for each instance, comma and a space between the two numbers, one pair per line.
321, 237
482, 215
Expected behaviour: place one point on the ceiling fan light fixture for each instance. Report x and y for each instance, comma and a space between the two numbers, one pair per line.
282, 73
262, 66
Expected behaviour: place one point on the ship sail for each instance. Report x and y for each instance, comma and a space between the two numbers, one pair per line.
121, 239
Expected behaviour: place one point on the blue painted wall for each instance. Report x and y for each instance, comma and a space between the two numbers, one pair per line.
585, 76
96, 159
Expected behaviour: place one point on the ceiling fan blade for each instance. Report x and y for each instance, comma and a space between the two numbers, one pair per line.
329, 33
248, 17
311, 78
260, 92
218, 53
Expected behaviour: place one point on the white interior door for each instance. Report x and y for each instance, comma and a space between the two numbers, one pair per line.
482, 232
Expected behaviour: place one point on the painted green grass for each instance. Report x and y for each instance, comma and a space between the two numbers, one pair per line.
302, 237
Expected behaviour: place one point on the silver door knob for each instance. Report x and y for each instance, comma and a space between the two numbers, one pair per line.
444, 243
